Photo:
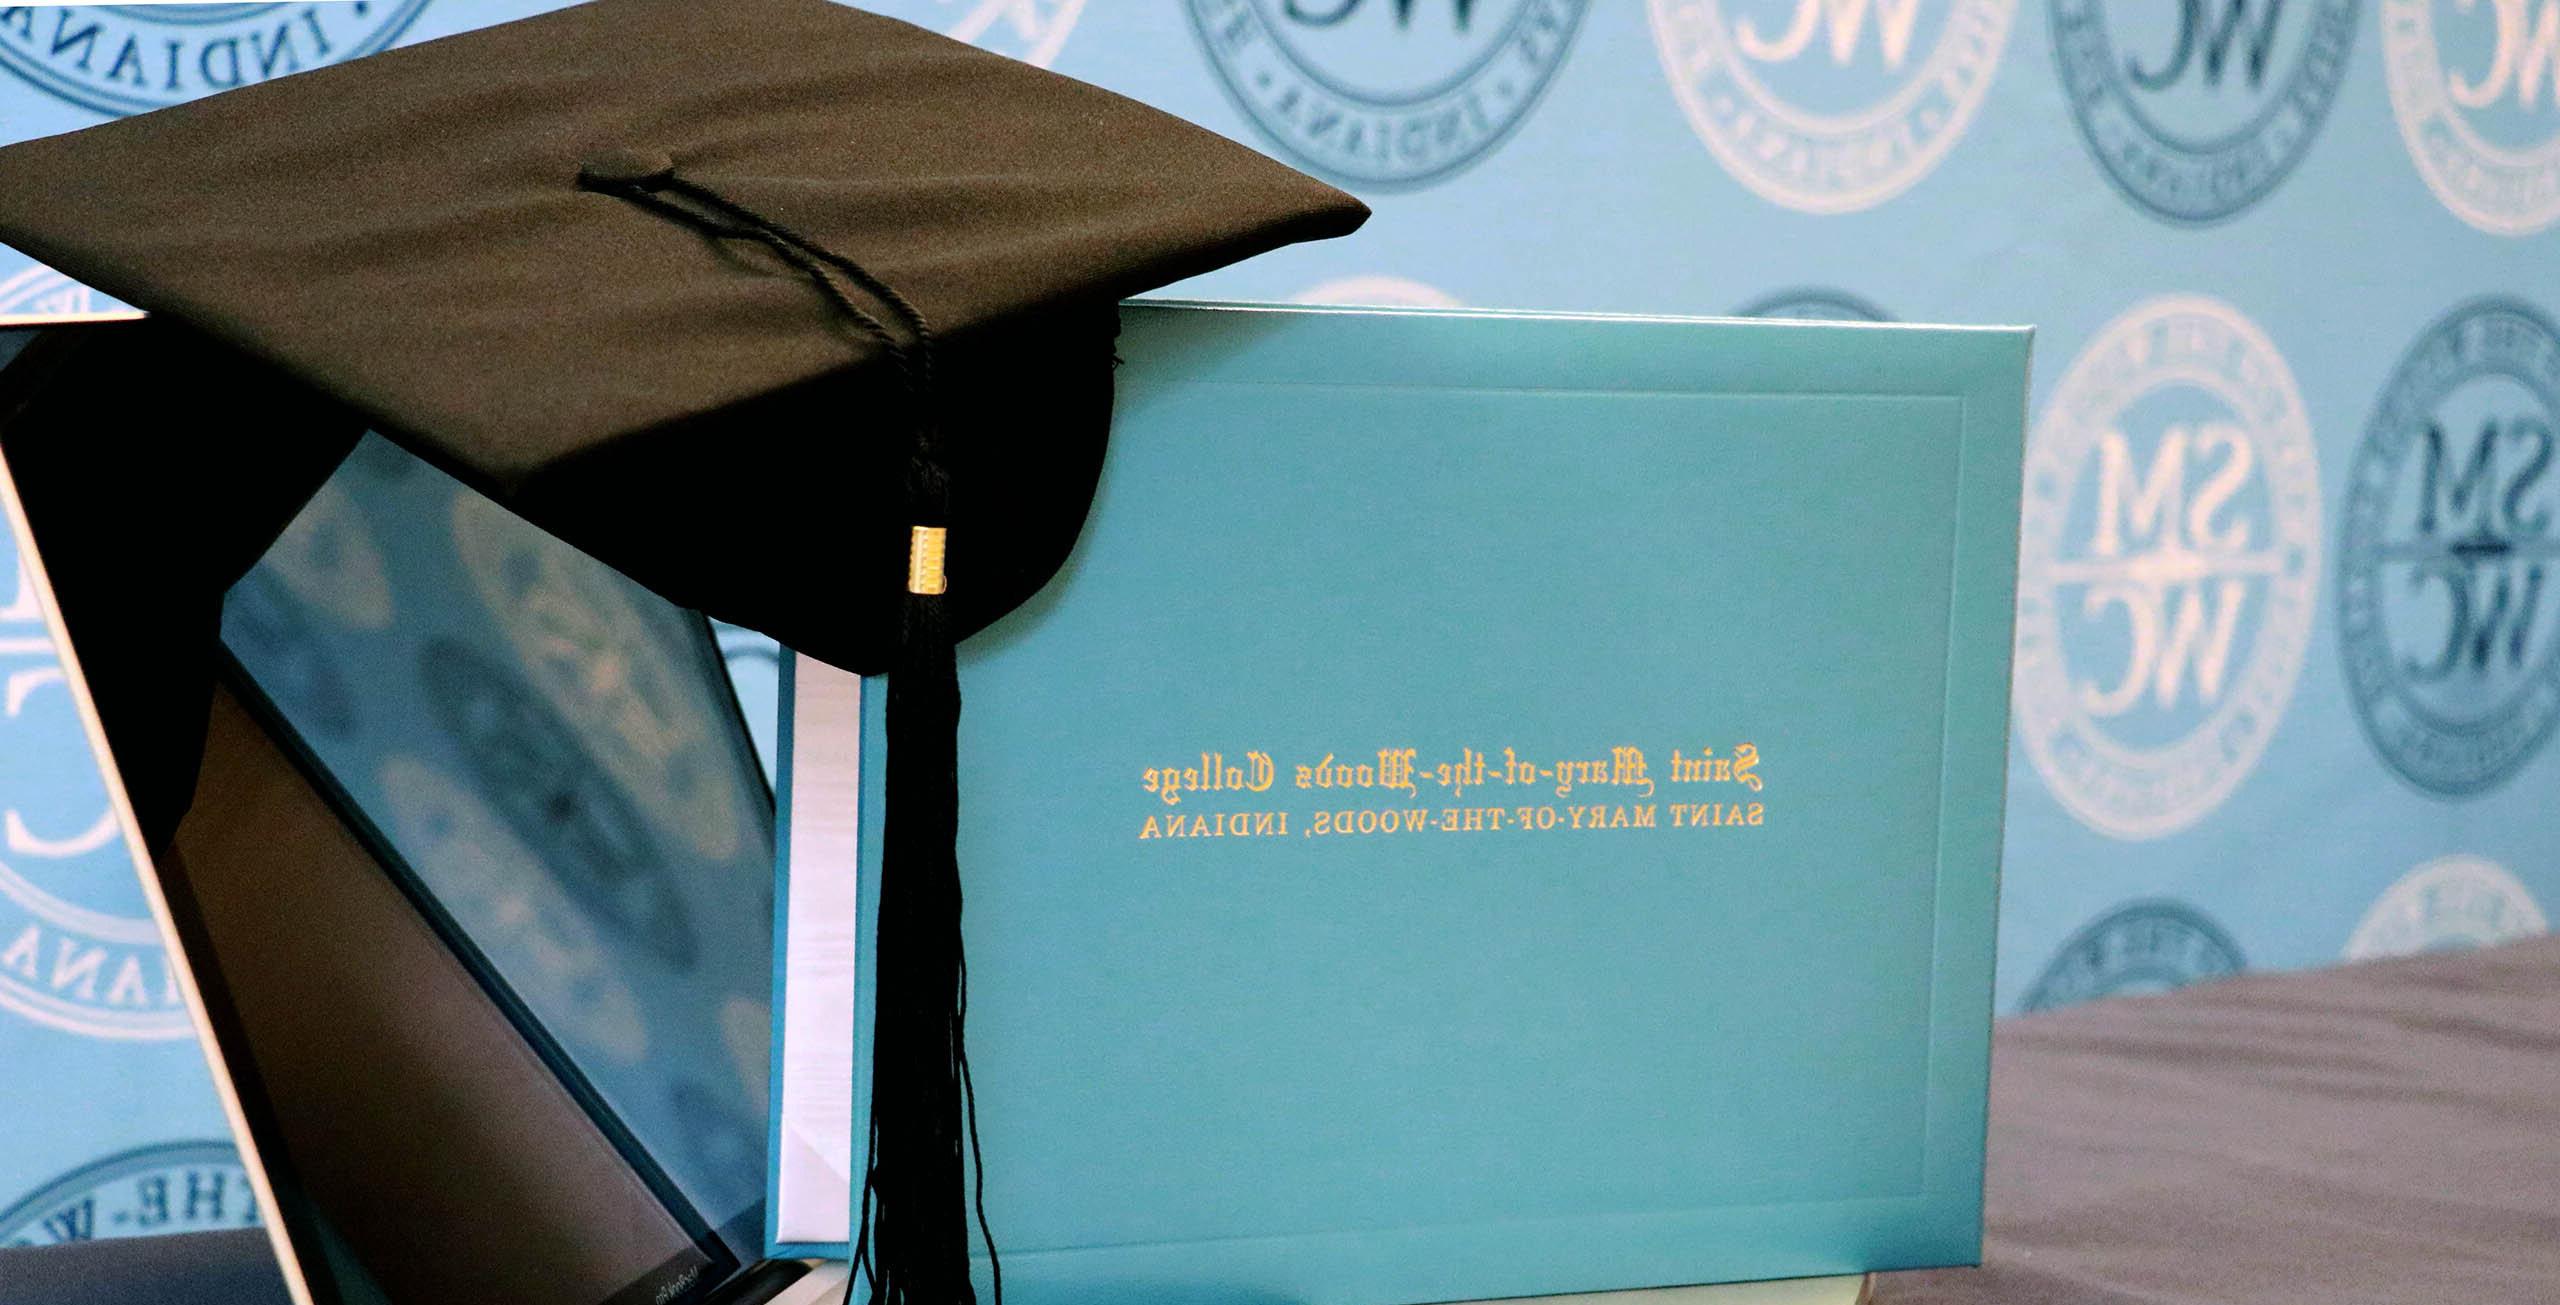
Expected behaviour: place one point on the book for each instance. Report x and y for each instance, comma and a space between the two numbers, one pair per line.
1496, 804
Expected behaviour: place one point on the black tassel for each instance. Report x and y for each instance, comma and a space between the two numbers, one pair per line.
914, 1243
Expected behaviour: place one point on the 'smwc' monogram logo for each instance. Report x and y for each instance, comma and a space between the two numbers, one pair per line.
2168, 569
2175, 564
2451, 532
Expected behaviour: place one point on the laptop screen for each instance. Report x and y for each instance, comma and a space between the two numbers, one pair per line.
551, 768
554, 759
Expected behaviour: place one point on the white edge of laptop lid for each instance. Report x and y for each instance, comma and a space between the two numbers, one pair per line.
180, 965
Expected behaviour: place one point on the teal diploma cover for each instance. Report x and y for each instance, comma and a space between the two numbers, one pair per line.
1496, 804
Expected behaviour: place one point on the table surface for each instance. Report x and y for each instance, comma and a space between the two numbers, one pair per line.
825, 1286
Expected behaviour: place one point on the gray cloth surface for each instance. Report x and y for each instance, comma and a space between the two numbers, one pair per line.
2376, 1134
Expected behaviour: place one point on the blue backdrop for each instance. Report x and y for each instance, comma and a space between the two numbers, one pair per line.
2289, 641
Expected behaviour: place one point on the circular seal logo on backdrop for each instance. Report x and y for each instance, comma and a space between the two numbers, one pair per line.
1376, 292
585, 644
78, 948
1386, 93
2449, 553
1814, 304
2197, 110
2453, 903
2169, 559
530, 769
2476, 87
1830, 106
120, 59
2151, 946
43, 291
514, 908
173, 1187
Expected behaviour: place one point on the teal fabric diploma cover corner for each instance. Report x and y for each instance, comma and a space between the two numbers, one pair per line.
1497, 804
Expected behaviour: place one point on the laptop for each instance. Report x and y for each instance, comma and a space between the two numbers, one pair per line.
473, 908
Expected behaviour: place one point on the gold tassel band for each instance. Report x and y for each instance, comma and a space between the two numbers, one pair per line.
924, 560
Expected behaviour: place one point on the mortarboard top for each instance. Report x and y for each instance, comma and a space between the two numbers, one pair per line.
406, 234
752, 300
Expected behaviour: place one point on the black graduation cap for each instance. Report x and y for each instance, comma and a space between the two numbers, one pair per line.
797, 315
